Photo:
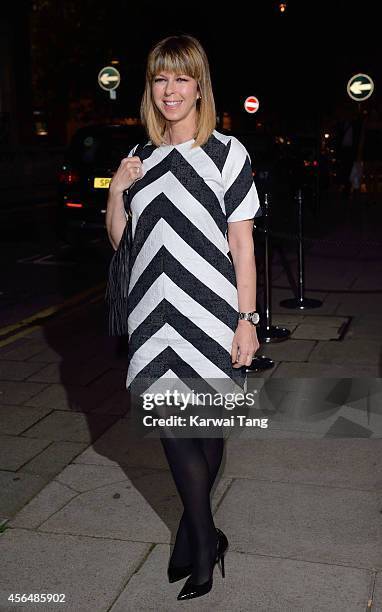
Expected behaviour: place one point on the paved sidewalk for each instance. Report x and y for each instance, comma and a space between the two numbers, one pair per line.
89, 511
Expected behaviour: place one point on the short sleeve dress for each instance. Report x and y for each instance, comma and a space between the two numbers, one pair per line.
182, 296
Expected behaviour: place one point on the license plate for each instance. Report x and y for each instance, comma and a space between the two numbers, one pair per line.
101, 183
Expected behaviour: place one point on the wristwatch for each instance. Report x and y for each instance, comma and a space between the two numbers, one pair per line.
252, 317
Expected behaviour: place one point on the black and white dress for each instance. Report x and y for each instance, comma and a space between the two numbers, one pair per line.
183, 302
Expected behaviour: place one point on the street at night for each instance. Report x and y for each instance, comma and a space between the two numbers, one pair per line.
100, 509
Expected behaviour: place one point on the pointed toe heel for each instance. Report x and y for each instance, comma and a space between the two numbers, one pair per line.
175, 573
190, 590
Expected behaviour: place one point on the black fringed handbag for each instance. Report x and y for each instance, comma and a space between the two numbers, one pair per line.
118, 279
119, 272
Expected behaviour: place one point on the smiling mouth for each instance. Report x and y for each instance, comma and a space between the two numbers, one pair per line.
173, 103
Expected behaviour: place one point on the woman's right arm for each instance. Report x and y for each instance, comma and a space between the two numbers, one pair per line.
130, 169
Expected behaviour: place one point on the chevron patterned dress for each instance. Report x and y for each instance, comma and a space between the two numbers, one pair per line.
183, 302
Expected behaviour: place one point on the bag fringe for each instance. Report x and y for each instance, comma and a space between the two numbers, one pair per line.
118, 285
119, 272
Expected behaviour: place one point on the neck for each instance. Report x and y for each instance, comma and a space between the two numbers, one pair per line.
176, 134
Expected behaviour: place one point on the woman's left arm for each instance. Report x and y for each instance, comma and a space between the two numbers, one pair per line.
240, 239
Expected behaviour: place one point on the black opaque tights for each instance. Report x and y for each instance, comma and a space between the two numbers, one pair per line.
194, 464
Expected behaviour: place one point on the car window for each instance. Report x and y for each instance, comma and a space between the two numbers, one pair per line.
103, 148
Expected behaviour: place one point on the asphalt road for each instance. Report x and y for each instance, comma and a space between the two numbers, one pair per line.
38, 270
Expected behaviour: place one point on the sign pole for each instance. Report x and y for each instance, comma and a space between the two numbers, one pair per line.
109, 79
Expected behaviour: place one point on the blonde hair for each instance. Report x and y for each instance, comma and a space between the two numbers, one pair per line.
182, 55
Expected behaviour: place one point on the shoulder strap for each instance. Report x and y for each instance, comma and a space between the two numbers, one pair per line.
139, 149
126, 193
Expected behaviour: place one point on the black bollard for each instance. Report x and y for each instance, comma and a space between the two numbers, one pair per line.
266, 331
300, 302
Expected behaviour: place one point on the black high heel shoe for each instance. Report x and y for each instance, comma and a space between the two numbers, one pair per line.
175, 572
190, 590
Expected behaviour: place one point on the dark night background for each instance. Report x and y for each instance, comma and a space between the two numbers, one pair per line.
297, 62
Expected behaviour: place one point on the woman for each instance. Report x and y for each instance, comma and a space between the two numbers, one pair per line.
193, 268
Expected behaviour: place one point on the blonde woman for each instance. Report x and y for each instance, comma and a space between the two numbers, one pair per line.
192, 291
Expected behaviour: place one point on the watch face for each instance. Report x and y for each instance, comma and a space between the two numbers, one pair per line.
252, 318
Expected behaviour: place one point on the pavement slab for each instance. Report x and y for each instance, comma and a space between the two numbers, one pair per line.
117, 404
83, 478
54, 458
290, 350
109, 383
70, 426
330, 302
317, 405
370, 276
298, 369
16, 419
305, 522
365, 326
102, 507
90, 572
318, 331
358, 303
48, 354
60, 350
21, 349
377, 599
362, 352
118, 445
252, 583
65, 397
17, 489
148, 495
17, 370
75, 479
71, 372
48, 501
19, 392
15, 451
347, 463
62, 396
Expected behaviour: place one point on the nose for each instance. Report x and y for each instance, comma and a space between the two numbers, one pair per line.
169, 87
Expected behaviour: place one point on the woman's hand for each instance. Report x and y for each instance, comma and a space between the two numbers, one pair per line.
244, 344
130, 169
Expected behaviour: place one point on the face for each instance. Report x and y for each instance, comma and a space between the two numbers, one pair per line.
175, 96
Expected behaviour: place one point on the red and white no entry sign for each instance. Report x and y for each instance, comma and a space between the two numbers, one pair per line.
251, 104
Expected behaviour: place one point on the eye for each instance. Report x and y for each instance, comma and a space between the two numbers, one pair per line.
182, 79
157, 79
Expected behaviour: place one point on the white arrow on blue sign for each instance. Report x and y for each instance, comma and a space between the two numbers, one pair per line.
360, 87
109, 78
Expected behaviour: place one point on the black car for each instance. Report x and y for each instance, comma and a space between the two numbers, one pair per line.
92, 158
